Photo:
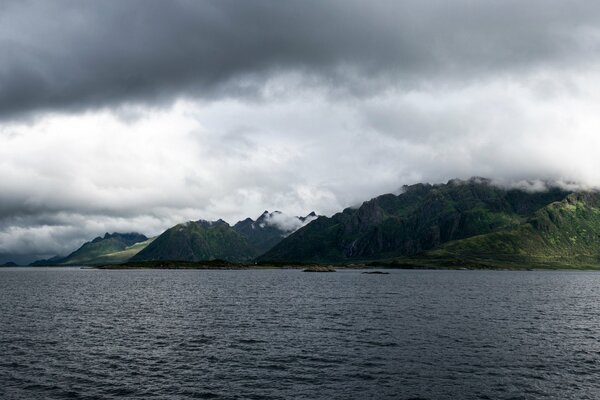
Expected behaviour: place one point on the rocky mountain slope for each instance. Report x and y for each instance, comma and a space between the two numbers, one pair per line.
470, 224
269, 229
421, 218
198, 241
562, 234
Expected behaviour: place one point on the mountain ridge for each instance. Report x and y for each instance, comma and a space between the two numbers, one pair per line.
111, 248
462, 223
420, 218
211, 240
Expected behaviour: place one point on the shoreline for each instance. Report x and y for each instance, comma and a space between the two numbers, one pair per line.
468, 265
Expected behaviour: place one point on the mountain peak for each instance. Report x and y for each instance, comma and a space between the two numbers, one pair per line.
198, 241
208, 224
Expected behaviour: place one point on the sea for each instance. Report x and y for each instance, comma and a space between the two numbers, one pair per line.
72, 333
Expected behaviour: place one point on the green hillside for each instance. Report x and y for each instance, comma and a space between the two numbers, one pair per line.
217, 240
563, 234
121, 256
423, 217
198, 241
113, 248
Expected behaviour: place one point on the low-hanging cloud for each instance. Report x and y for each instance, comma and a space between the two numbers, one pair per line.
287, 223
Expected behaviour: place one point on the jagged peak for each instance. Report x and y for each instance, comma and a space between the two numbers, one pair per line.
267, 214
122, 234
207, 224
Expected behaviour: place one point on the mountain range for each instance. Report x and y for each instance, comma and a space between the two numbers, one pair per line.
209, 240
470, 223
190, 241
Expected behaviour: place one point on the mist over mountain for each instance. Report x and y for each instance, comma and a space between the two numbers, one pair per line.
270, 228
462, 222
471, 223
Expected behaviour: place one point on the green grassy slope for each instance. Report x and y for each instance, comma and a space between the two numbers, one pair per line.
112, 248
563, 234
121, 256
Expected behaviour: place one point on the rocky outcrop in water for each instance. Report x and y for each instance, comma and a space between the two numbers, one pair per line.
320, 268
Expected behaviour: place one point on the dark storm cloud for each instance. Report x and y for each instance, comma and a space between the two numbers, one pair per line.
80, 54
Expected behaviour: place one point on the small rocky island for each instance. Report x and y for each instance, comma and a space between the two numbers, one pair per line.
320, 268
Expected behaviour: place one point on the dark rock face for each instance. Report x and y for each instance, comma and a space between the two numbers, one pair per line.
422, 217
259, 234
263, 234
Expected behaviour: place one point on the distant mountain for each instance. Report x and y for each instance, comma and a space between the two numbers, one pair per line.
210, 240
421, 218
112, 248
9, 264
46, 262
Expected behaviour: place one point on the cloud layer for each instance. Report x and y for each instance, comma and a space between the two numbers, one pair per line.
122, 116
77, 55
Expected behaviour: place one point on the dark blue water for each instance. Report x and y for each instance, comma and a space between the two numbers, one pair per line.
91, 334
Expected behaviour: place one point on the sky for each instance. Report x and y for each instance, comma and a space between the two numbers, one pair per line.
136, 115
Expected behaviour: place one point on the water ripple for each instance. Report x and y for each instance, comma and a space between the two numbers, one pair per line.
87, 334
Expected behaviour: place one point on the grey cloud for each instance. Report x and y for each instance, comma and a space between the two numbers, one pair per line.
79, 54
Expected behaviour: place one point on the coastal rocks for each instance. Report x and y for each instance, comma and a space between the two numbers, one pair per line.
376, 273
320, 268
